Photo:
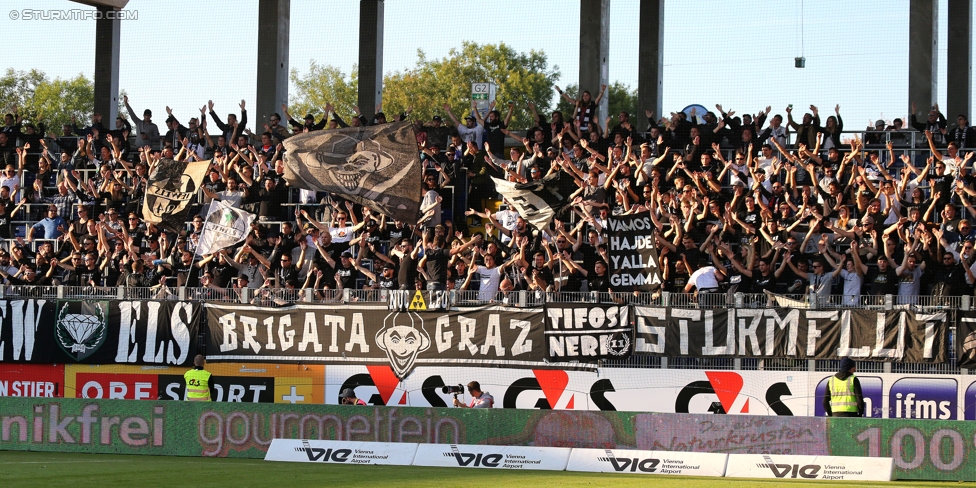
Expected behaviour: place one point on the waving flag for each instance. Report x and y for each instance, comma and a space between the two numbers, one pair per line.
536, 201
223, 227
376, 166
170, 191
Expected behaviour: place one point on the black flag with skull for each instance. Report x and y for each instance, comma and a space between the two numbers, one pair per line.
376, 166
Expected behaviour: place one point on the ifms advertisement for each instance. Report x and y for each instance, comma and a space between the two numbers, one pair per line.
624, 389
901, 396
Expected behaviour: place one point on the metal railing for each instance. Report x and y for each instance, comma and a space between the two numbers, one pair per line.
521, 298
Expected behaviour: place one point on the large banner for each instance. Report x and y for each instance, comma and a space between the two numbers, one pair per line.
633, 254
376, 166
99, 332
497, 336
171, 189
899, 335
25, 330
580, 332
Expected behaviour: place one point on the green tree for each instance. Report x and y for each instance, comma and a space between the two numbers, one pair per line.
621, 99
39, 99
324, 84
520, 78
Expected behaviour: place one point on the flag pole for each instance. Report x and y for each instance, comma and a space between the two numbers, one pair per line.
196, 249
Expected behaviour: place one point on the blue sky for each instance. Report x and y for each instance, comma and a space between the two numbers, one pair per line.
181, 53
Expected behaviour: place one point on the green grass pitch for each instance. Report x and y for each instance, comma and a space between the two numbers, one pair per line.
44, 469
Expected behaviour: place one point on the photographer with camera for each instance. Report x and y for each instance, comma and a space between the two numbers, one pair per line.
479, 399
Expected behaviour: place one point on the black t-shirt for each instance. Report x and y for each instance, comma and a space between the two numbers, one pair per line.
5, 227
793, 283
599, 283
222, 274
941, 184
395, 234
544, 273
494, 136
88, 276
590, 256
736, 280
574, 282
879, 283
437, 264
387, 284
752, 218
406, 270
676, 282
762, 283
215, 186
188, 274
347, 276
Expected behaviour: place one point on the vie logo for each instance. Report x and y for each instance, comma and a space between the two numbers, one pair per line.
325, 455
647, 465
807, 471
473, 460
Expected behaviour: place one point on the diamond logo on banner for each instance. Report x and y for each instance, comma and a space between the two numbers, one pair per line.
81, 334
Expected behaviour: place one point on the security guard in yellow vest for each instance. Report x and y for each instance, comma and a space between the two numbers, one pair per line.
199, 382
843, 397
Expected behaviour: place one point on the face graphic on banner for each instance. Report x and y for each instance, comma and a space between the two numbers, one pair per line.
402, 338
359, 165
969, 348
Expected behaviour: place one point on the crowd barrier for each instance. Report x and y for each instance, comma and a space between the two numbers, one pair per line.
921, 450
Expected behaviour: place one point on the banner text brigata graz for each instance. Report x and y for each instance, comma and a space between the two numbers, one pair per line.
369, 334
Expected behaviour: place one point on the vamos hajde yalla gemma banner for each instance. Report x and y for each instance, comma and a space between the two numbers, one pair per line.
634, 262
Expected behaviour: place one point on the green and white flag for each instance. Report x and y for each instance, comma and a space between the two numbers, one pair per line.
223, 227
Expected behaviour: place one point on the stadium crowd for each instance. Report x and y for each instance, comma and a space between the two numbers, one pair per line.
742, 204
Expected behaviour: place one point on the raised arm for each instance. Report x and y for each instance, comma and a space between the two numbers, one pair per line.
447, 108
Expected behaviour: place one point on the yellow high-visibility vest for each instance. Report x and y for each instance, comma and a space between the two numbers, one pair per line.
197, 385
842, 397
